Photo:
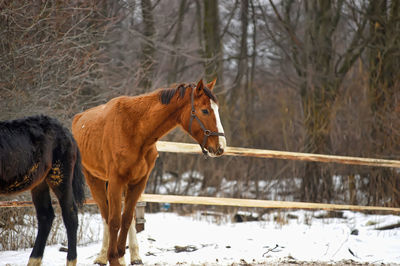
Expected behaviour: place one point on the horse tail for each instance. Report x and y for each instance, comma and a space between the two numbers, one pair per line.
78, 181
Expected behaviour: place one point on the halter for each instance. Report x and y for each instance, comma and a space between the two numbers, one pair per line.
207, 132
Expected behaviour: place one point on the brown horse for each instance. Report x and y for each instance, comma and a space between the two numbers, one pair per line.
117, 142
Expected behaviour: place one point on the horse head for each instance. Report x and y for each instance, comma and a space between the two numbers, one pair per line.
202, 119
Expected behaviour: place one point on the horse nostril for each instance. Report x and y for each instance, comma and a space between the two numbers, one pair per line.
220, 151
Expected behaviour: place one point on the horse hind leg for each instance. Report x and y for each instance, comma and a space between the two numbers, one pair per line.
132, 199
45, 215
99, 194
60, 182
133, 244
128, 222
102, 257
133, 247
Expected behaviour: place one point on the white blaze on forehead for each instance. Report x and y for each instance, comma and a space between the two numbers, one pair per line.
221, 139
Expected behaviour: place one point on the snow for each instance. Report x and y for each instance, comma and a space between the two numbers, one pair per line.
216, 240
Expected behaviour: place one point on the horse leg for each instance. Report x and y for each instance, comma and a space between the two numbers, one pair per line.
115, 189
133, 244
138, 190
102, 257
69, 210
99, 194
45, 215
132, 196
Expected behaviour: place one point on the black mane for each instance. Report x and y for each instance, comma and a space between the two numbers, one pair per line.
167, 94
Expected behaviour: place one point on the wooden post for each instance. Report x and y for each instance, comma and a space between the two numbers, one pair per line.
352, 190
139, 214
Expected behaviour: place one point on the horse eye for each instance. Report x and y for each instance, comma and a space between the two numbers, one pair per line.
205, 111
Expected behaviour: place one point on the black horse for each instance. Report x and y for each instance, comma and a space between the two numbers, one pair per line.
37, 153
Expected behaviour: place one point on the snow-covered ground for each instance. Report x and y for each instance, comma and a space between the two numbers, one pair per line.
281, 237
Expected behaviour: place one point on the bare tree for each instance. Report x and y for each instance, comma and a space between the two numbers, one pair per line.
308, 32
383, 94
49, 56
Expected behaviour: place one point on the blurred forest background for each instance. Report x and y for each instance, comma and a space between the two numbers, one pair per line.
318, 76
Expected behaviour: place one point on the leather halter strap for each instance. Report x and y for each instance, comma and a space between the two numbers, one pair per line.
207, 132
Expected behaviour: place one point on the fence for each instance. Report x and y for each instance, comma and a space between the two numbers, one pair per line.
176, 147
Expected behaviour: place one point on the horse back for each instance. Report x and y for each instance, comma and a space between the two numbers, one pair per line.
26, 151
108, 133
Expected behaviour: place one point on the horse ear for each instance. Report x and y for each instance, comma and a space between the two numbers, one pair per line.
212, 84
199, 86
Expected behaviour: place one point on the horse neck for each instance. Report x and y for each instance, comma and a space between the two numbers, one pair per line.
158, 119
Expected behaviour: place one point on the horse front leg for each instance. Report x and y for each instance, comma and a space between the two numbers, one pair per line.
132, 196
114, 220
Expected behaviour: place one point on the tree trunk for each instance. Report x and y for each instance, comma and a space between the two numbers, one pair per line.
240, 84
317, 179
212, 41
176, 59
318, 94
384, 82
148, 48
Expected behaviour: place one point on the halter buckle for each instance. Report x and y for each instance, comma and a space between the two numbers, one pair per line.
207, 132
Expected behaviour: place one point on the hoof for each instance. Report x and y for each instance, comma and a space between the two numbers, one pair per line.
114, 263
137, 262
71, 262
100, 261
122, 261
35, 261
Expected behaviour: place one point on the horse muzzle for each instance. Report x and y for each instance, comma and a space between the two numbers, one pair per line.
215, 152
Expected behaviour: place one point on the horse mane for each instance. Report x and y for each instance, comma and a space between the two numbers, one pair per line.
167, 94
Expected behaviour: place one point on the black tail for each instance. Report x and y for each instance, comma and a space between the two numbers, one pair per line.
78, 181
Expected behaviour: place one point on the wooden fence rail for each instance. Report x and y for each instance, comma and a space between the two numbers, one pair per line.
248, 203
177, 147
270, 204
